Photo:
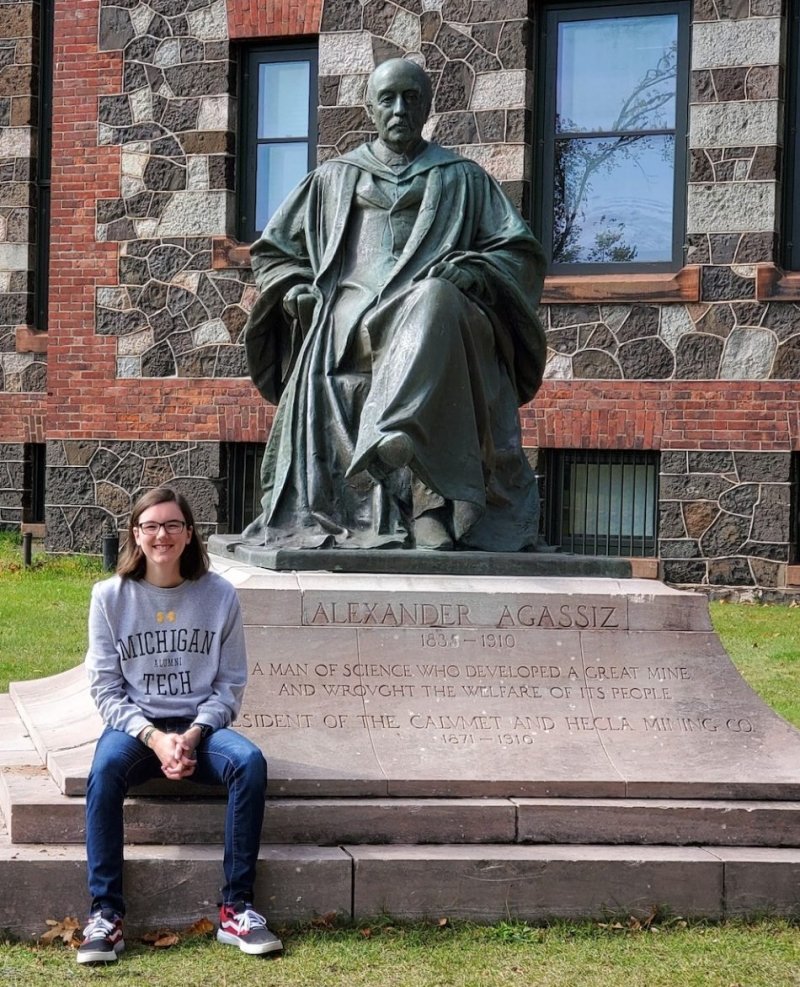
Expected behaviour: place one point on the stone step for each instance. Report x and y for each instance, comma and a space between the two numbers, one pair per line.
175, 886
16, 746
37, 813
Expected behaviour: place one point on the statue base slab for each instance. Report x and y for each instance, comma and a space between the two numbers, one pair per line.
390, 561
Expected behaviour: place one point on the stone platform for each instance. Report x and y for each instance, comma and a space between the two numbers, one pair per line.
478, 747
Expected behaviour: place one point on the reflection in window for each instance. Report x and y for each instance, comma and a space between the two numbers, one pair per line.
278, 147
612, 166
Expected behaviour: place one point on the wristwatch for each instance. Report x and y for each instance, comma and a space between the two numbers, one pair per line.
205, 730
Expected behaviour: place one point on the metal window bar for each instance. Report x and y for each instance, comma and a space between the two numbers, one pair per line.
600, 502
244, 483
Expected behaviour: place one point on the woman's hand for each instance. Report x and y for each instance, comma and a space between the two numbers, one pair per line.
176, 752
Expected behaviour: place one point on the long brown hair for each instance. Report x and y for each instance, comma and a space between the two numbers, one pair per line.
194, 561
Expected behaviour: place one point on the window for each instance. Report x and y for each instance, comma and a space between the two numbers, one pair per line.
791, 223
599, 502
794, 510
244, 483
33, 483
43, 164
614, 80
279, 127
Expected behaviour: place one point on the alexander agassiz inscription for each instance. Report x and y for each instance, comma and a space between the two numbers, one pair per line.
383, 614
460, 676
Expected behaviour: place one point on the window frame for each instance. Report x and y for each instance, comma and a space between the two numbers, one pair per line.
544, 165
250, 60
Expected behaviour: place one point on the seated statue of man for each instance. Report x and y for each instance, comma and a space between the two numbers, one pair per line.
396, 330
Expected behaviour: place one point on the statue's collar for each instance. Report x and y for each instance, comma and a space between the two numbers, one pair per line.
396, 161
369, 158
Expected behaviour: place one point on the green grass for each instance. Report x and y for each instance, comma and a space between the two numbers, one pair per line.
764, 643
733, 954
43, 611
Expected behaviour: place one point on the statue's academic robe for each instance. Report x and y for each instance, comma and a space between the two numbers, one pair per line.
447, 368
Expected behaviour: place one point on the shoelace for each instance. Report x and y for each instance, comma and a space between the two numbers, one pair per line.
98, 928
249, 919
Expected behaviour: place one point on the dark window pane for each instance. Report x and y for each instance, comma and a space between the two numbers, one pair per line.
613, 200
283, 99
279, 168
617, 74
611, 499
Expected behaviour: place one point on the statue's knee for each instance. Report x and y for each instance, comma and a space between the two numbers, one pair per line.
439, 292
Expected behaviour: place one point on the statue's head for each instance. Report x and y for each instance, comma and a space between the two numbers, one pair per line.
399, 98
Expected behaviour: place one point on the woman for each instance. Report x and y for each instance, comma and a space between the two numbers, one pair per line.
167, 669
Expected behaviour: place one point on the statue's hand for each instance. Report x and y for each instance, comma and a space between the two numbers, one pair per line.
462, 279
299, 303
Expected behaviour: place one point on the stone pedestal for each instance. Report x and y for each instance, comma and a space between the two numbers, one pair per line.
430, 685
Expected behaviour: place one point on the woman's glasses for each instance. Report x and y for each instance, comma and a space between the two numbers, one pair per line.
171, 527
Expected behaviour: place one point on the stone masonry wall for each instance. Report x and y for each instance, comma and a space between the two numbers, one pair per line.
174, 122
121, 71
724, 517
12, 483
92, 485
19, 370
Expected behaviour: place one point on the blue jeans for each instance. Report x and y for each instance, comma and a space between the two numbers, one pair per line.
121, 761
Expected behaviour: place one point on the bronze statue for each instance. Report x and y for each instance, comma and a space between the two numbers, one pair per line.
396, 330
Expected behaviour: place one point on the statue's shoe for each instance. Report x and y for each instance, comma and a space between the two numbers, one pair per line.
431, 533
395, 450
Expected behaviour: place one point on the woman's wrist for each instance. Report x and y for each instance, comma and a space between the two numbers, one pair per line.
146, 735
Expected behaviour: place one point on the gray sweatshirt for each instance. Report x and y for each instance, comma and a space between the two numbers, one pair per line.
157, 653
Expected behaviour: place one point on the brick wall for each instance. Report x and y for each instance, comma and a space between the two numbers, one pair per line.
276, 19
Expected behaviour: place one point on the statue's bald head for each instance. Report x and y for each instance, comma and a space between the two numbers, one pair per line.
396, 71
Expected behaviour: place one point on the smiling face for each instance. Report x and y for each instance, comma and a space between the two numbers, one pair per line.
399, 100
162, 550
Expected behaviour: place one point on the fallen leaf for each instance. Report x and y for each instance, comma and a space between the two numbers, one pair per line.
67, 930
161, 938
202, 927
325, 921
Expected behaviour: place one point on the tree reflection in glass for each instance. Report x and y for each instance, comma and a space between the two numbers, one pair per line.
614, 148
